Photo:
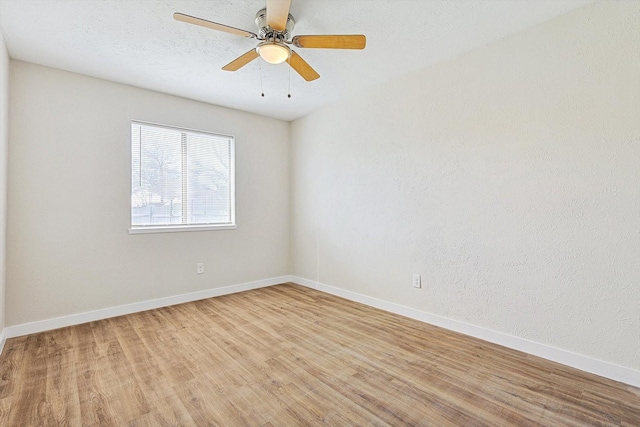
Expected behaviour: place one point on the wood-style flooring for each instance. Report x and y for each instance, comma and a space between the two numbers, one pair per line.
287, 355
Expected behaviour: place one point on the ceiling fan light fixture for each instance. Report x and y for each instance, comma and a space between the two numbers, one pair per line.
273, 53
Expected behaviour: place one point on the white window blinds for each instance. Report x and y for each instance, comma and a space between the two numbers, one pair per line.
180, 177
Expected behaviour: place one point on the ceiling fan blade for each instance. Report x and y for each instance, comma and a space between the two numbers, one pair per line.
302, 68
277, 14
241, 61
347, 41
213, 25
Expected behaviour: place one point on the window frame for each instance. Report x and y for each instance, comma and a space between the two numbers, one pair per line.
173, 228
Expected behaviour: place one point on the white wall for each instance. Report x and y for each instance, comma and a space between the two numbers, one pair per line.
4, 142
508, 177
69, 199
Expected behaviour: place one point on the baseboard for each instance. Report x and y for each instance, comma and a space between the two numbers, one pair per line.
578, 361
76, 319
568, 358
3, 339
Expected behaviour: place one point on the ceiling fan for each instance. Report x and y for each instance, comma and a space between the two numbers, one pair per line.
275, 25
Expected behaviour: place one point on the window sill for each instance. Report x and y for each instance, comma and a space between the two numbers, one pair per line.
180, 228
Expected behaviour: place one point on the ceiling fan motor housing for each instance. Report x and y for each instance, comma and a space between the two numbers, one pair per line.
265, 32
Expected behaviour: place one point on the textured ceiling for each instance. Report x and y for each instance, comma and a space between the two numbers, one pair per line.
137, 42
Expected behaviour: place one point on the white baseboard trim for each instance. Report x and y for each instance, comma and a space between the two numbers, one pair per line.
574, 360
105, 313
568, 358
3, 339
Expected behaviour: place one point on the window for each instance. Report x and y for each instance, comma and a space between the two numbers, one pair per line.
181, 179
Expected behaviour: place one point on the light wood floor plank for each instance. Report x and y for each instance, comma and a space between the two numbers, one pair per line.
287, 355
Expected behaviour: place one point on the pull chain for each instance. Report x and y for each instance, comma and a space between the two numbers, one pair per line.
261, 87
289, 94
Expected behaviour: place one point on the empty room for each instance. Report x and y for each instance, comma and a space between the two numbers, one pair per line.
320, 212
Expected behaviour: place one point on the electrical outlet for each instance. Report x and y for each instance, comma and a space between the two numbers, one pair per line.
200, 268
417, 282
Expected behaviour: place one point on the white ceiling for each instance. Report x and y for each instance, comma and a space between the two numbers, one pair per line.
137, 42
